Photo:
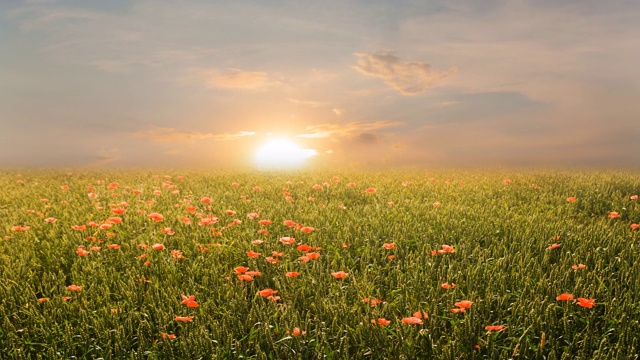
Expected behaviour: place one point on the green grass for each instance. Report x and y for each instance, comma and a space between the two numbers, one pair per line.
500, 232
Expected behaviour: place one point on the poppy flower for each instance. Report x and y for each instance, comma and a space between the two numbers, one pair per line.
190, 301
230, 212
257, 242
587, 303
634, 226
447, 249
457, 310
21, 228
241, 269
157, 247
252, 254
96, 248
66, 298
177, 254
244, 277
307, 229
420, 315
264, 222
289, 223
494, 327
304, 258
185, 220
252, 216
382, 321
118, 211
448, 286
277, 254
352, 184
155, 217
317, 187
412, 321
43, 299
614, 215
82, 252
391, 257
554, 246
304, 248
297, 332
168, 336
74, 288
436, 204
564, 297
633, 197
506, 181
579, 266
370, 190
571, 199
389, 246
184, 318
313, 255
266, 292
271, 260
50, 220
253, 273
292, 274
113, 246
339, 274
74, 227
464, 304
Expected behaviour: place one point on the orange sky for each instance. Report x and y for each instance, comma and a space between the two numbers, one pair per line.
366, 83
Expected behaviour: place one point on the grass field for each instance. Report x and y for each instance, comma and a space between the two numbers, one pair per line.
492, 234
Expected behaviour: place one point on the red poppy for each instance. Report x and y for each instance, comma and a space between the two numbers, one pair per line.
382, 321
113, 246
264, 222
448, 286
177, 254
184, 318
339, 274
252, 215
82, 252
633, 197
289, 223
252, 254
253, 273
464, 304
554, 246
304, 248
351, 184
579, 266
412, 321
317, 187
66, 298
266, 292
634, 226
588, 303
304, 258
307, 229
157, 247
168, 336
292, 274
244, 277
74, 227
43, 299
313, 255
190, 301
370, 190
420, 315
564, 297
22, 228
494, 327
118, 211
50, 220
613, 215
271, 260
457, 310
155, 217
571, 199
389, 246
74, 288
297, 332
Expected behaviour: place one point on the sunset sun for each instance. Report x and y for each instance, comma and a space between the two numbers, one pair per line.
282, 153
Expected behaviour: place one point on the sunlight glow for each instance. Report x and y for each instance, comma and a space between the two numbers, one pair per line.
282, 153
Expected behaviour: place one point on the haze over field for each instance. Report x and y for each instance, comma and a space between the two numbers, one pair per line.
366, 83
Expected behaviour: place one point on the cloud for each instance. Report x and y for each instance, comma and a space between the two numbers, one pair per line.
335, 130
165, 134
338, 112
231, 78
310, 103
408, 77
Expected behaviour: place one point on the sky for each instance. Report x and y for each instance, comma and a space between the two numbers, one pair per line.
363, 83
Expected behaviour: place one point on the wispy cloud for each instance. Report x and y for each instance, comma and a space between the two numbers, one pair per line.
231, 78
106, 156
352, 129
164, 134
310, 103
408, 77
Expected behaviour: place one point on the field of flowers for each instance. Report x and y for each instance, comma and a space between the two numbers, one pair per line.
397, 265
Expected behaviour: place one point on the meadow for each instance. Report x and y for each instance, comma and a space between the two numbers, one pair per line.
310, 265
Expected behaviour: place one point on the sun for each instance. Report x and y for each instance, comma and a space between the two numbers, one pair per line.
282, 153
